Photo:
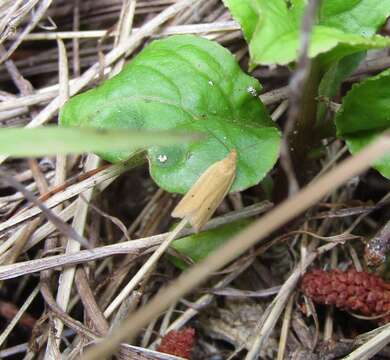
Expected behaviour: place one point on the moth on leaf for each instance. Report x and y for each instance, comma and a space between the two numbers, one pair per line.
200, 202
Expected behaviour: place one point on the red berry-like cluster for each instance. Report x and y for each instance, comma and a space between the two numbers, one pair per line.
351, 290
178, 343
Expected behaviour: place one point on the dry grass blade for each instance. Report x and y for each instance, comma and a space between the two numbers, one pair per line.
133, 246
145, 268
125, 25
78, 224
285, 328
38, 14
9, 18
71, 191
372, 346
63, 227
205, 300
66, 278
40, 234
16, 318
207, 28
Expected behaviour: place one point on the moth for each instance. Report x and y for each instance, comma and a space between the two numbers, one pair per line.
200, 202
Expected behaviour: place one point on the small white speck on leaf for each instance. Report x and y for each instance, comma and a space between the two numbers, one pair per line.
251, 90
162, 158
211, 83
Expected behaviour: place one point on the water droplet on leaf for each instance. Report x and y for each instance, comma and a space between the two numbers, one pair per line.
162, 158
251, 90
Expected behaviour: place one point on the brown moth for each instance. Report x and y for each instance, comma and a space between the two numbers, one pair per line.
200, 202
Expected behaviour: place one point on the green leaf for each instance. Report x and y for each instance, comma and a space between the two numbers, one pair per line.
190, 84
245, 14
362, 17
358, 142
333, 78
365, 113
276, 36
283, 48
198, 246
52, 140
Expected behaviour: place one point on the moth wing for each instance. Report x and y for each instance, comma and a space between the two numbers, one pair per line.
199, 204
199, 192
206, 210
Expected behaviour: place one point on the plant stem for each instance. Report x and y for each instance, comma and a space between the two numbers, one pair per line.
303, 137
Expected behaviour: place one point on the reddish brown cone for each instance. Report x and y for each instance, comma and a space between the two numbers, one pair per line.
178, 343
358, 292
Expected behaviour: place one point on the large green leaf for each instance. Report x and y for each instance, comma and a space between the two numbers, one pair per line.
51, 140
190, 84
343, 26
365, 113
